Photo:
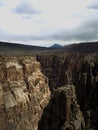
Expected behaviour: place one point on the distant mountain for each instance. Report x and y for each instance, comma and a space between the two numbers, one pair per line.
14, 48
56, 46
82, 47
21, 49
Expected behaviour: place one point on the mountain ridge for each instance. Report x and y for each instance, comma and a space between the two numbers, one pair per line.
15, 48
82, 47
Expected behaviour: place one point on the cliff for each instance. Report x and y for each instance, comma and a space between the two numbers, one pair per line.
80, 70
26, 102
62, 112
51, 66
23, 93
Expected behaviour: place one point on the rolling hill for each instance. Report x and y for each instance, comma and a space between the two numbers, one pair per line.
21, 49
14, 48
82, 47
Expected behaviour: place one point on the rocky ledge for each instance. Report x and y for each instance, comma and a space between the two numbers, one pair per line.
23, 93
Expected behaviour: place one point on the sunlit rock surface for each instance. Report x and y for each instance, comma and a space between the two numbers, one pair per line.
23, 93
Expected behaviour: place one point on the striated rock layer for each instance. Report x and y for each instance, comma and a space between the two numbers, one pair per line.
23, 93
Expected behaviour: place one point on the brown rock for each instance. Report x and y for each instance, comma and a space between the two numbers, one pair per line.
79, 69
22, 89
62, 112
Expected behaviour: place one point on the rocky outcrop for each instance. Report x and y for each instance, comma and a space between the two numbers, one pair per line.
51, 66
25, 100
62, 112
81, 70
23, 93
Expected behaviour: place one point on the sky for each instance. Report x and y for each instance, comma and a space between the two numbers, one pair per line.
45, 22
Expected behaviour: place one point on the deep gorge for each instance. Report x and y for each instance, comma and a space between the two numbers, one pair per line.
80, 70
49, 92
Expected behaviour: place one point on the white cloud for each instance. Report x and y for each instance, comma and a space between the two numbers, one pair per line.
46, 20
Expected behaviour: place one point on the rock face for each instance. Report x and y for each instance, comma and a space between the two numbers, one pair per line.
25, 100
62, 112
51, 66
23, 93
81, 70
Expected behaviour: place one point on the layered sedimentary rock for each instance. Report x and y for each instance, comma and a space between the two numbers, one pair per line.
62, 112
23, 93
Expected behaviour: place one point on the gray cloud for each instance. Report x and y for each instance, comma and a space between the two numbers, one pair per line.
25, 38
87, 31
93, 5
25, 8
1, 4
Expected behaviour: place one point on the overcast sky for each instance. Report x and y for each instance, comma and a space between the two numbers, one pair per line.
44, 22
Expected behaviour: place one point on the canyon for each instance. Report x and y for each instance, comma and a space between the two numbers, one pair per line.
52, 91
79, 70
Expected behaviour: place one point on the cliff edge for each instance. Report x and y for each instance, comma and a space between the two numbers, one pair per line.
23, 93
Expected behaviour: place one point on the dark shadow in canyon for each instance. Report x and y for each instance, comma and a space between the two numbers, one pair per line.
81, 70
52, 68
62, 112
52, 118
